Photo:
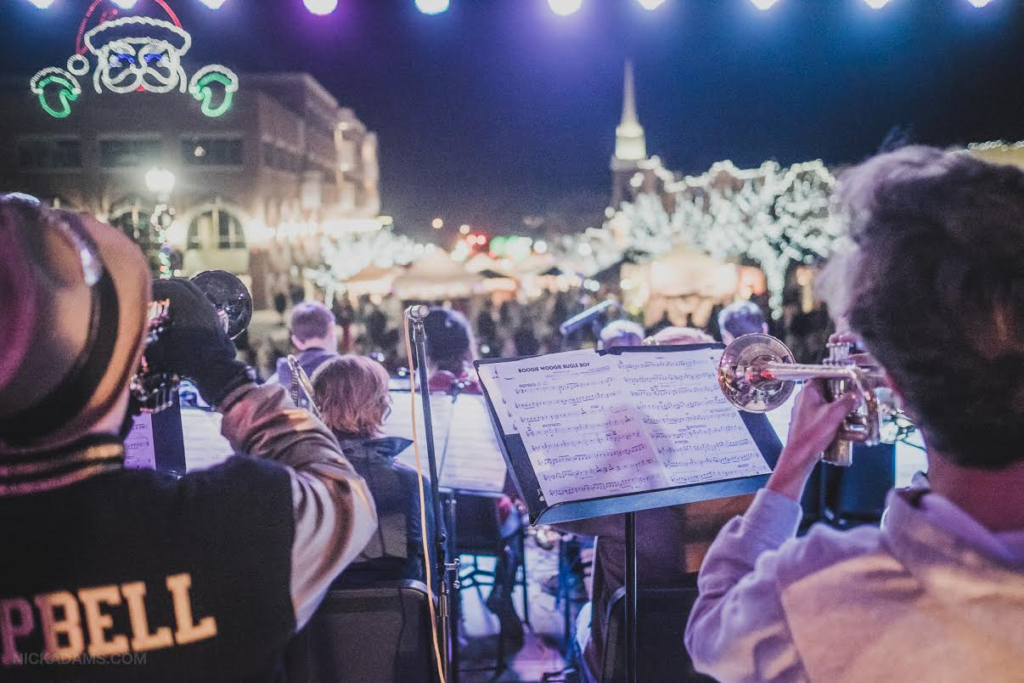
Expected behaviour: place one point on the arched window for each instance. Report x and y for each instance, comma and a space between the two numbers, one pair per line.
132, 215
216, 228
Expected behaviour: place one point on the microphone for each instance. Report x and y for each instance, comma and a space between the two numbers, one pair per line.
417, 313
588, 316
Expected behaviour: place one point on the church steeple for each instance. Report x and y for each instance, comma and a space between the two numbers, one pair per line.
629, 134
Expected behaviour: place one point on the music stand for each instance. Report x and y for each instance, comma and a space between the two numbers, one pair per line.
517, 459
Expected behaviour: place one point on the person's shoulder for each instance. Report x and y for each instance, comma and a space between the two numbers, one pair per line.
408, 473
824, 548
238, 474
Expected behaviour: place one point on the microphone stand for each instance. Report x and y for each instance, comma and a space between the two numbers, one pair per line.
448, 572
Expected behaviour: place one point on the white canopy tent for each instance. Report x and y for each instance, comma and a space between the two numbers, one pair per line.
437, 276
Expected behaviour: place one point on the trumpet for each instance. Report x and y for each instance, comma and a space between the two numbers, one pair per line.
153, 389
757, 373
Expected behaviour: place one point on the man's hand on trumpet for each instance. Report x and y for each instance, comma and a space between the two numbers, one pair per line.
814, 426
195, 344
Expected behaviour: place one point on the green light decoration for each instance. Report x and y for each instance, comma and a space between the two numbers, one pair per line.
203, 88
60, 83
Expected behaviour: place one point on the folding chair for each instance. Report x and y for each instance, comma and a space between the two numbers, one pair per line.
379, 633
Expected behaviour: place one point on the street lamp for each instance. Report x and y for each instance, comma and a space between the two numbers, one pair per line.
160, 182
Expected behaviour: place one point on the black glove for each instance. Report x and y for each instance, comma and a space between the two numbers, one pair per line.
195, 344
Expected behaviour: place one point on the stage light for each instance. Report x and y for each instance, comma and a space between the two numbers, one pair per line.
564, 8
876, 4
651, 4
763, 4
979, 3
213, 4
41, 4
321, 7
124, 4
432, 6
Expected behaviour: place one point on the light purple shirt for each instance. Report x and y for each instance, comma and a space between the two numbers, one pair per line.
932, 596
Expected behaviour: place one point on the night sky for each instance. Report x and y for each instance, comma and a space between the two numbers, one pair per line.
498, 109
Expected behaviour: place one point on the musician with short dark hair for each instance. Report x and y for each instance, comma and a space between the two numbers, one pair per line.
934, 287
314, 334
451, 349
202, 578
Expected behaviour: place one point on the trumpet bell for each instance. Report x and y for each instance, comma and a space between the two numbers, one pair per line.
744, 376
229, 296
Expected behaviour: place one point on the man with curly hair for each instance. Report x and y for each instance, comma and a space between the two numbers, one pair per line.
934, 287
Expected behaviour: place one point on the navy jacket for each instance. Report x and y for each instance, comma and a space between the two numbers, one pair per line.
395, 552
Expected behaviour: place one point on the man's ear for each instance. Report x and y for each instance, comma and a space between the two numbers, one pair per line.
296, 343
897, 393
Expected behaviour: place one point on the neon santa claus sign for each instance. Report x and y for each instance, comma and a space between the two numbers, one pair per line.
129, 54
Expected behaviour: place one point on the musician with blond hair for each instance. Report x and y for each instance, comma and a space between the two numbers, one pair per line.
351, 393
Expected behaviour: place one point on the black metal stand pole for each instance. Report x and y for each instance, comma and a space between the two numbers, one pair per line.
456, 597
445, 569
631, 598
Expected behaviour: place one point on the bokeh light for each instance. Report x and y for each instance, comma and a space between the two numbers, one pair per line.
432, 6
564, 8
321, 7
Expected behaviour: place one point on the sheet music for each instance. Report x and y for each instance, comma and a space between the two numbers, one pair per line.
399, 423
205, 447
468, 455
139, 447
697, 435
584, 434
471, 458
598, 425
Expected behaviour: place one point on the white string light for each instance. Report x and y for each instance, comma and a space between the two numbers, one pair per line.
564, 8
431, 7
